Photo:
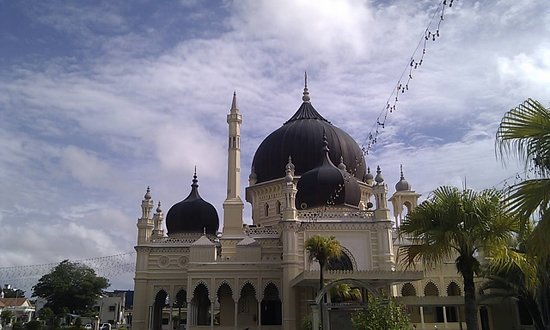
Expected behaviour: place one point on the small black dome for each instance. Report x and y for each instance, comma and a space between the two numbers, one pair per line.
192, 215
327, 185
301, 138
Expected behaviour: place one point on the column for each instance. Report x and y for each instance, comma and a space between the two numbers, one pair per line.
236, 311
444, 317
422, 318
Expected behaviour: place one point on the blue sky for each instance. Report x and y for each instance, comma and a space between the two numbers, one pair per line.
100, 99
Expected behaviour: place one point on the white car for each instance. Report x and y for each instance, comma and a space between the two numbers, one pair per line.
88, 326
105, 326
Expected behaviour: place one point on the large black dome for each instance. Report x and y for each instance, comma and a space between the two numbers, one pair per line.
192, 215
327, 184
301, 137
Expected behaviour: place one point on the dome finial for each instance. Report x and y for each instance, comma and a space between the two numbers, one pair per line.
195, 185
306, 97
159, 210
148, 193
401, 168
342, 165
379, 178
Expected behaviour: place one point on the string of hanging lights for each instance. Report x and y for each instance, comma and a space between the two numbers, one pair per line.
430, 34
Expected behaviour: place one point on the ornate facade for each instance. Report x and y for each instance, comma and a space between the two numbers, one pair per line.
308, 178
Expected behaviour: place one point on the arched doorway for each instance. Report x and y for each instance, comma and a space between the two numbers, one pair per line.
227, 305
271, 306
161, 299
248, 307
180, 304
200, 305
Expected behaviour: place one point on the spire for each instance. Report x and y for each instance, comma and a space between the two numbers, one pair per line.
306, 98
159, 210
401, 168
148, 194
194, 184
342, 165
379, 178
234, 108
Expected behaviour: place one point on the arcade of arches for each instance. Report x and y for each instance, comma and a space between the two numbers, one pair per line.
224, 309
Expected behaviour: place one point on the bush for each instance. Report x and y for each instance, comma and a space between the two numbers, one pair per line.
33, 325
306, 323
381, 315
18, 326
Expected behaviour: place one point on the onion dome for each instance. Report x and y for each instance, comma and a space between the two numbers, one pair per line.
368, 177
193, 214
402, 185
301, 138
326, 184
378, 178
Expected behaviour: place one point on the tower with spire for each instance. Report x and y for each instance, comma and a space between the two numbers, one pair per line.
403, 196
233, 204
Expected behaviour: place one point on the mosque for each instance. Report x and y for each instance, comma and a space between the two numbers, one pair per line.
307, 178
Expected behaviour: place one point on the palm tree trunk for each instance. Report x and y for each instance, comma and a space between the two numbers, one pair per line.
470, 304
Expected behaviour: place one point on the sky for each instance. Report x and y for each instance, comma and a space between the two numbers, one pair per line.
100, 99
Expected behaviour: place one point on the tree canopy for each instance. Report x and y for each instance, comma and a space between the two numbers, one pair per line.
70, 287
524, 132
381, 315
322, 249
458, 224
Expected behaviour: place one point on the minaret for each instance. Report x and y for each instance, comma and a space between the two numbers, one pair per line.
404, 196
233, 204
145, 223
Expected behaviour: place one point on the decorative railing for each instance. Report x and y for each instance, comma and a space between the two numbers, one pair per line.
335, 214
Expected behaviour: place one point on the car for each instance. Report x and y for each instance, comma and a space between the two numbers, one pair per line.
105, 326
88, 326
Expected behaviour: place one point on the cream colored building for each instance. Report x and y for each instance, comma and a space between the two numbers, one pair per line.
308, 178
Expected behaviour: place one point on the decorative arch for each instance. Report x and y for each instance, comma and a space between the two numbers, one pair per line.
408, 290
271, 306
227, 304
453, 289
203, 282
222, 282
251, 282
431, 290
247, 306
200, 305
266, 210
158, 305
351, 281
344, 262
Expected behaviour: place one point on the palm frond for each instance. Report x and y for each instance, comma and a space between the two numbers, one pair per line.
525, 132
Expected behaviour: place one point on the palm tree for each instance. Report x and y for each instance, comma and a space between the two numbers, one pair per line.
457, 224
525, 132
322, 249
528, 282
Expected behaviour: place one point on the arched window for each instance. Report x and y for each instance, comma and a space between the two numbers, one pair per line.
266, 209
453, 289
341, 263
408, 290
278, 207
431, 290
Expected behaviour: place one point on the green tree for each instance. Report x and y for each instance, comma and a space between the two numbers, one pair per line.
345, 293
70, 287
524, 132
322, 249
381, 315
13, 293
528, 281
6, 316
458, 224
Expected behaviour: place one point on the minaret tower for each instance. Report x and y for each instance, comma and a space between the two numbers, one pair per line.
233, 204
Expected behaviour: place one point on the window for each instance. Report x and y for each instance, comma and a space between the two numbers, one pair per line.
266, 210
